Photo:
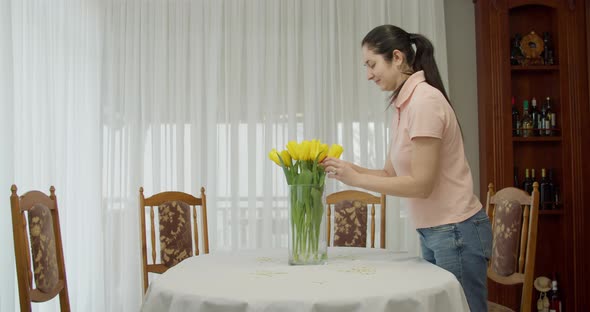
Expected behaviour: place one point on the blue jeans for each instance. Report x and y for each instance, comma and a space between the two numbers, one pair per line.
463, 249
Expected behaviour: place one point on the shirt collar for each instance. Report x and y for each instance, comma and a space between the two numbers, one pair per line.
408, 88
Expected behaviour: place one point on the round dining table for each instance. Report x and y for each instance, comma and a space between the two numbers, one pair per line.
354, 279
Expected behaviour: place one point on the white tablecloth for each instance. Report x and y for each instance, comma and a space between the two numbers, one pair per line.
355, 279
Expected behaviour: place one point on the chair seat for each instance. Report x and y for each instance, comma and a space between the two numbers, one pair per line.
494, 307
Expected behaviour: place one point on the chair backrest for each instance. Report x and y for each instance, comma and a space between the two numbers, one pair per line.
351, 217
177, 238
514, 215
36, 213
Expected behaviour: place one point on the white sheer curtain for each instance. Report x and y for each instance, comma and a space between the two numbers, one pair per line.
103, 97
7, 266
50, 121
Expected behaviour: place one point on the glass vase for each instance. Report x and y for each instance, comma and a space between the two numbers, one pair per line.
307, 225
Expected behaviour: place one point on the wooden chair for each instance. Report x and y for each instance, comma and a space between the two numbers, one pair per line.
176, 235
350, 218
36, 213
514, 214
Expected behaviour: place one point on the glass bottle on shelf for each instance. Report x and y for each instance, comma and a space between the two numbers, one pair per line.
515, 119
546, 191
527, 184
548, 114
548, 58
542, 119
526, 123
535, 115
516, 55
553, 124
554, 300
554, 201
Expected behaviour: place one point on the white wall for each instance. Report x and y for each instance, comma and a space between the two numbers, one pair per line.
461, 57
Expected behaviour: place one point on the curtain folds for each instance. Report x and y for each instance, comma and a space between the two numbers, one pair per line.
102, 97
7, 265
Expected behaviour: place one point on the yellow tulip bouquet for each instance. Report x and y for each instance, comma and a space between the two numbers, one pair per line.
305, 177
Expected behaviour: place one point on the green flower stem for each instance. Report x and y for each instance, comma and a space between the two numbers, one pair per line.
307, 211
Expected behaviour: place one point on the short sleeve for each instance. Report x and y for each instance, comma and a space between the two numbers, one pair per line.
427, 116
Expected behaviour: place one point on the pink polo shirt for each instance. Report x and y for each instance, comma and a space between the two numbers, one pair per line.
421, 110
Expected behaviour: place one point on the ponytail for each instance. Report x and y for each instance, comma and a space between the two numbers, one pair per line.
424, 60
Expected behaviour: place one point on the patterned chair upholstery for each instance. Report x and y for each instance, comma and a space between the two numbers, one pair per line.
42, 246
175, 232
350, 224
508, 223
354, 214
182, 229
514, 214
42, 239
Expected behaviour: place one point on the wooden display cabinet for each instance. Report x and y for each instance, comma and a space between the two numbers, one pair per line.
561, 232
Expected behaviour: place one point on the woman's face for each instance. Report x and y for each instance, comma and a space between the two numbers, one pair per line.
386, 75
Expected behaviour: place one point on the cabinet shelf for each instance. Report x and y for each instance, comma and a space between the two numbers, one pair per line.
551, 212
534, 68
537, 139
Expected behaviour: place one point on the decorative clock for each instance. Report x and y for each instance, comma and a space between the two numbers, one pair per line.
532, 46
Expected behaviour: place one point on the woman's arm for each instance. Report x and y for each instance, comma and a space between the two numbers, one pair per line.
425, 165
387, 170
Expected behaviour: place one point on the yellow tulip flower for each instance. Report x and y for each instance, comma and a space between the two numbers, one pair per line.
293, 149
313, 149
335, 151
286, 158
323, 152
274, 156
317, 149
304, 149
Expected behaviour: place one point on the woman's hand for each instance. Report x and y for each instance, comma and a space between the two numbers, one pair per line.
340, 170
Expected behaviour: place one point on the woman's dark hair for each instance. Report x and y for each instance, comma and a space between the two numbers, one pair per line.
385, 39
